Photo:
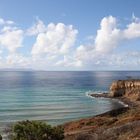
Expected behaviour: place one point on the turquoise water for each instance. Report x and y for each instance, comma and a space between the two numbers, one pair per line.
54, 97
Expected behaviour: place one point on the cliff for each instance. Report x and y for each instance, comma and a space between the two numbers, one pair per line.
119, 124
126, 88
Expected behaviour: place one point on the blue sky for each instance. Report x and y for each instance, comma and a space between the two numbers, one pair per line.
70, 35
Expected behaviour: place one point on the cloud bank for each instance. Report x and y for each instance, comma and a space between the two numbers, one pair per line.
55, 46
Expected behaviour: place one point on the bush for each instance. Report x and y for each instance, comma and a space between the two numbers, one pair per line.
36, 130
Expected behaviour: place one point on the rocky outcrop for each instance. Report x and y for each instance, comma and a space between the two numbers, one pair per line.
126, 88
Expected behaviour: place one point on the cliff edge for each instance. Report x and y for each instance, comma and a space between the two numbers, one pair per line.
127, 88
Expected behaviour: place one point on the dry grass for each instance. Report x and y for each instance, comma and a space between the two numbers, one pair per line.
124, 125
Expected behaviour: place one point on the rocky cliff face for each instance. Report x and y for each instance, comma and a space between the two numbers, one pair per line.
126, 88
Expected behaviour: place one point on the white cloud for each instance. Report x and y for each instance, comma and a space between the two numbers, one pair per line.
2, 21
6, 22
108, 36
55, 48
11, 38
134, 18
67, 61
132, 31
38, 27
17, 59
58, 39
107, 39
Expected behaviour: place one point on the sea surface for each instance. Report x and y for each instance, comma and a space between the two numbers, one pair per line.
55, 97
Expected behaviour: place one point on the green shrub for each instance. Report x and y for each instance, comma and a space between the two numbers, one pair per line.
36, 130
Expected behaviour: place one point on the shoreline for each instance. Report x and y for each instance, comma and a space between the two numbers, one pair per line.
93, 124
106, 95
126, 105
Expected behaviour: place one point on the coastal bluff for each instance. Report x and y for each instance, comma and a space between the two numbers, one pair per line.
126, 88
118, 124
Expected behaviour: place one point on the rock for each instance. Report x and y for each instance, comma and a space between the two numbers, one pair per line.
127, 88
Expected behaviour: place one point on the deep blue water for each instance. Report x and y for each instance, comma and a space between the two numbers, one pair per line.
55, 97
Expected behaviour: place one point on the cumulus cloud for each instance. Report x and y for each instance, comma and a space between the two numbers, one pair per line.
108, 38
11, 38
55, 47
57, 39
132, 31
38, 27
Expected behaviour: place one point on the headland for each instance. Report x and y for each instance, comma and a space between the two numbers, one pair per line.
119, 124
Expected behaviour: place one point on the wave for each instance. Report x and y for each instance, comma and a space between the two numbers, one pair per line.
88, 93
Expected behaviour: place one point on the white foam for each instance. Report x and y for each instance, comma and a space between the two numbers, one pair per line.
120, 102
125, 105
88, 93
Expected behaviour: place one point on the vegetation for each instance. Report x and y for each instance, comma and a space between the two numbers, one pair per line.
36, 130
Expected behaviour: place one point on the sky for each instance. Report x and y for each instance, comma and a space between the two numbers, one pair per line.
70, 34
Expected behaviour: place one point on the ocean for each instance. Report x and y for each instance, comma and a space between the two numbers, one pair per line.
55, 97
